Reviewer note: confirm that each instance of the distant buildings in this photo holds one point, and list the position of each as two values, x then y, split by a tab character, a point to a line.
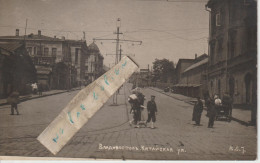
60	63
233	49
93	63
16	69
192	76
180	67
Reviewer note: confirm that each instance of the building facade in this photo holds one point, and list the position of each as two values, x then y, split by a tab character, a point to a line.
79	54
193	80
233	49
59	62
93	63
180	67
16	69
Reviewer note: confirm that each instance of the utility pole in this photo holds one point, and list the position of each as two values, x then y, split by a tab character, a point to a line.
117	49
25	30
120	53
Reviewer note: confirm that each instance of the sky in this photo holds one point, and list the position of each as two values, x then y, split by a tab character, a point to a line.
170	29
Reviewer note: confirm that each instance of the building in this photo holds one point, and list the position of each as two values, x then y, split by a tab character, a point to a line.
93	63
180	67
233	49
59	62
16	69
79	54
193	80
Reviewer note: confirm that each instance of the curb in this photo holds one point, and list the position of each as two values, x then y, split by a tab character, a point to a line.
204	108
29	97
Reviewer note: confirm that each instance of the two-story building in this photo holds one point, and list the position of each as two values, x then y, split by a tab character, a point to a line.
233	49
193	80
16	69
59	62
93	63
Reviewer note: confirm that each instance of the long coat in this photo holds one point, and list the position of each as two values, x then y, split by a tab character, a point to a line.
13	98
197	110
212	110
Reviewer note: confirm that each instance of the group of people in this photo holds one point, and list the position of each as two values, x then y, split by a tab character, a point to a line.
137	109
213	107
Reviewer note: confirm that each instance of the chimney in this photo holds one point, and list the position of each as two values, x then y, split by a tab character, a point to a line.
17	32
39	32
195	56
63	38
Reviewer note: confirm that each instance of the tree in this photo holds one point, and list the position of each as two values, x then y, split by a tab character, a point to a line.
163	69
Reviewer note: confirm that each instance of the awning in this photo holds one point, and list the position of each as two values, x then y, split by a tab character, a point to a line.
187	85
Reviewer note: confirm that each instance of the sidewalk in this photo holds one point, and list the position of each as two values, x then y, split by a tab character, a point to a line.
240	115
34	96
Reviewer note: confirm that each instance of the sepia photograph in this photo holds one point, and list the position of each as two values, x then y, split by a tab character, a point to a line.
128	80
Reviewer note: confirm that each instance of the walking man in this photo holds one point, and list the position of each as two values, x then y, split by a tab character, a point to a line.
212	114
197	111
152	111
227	104
13	99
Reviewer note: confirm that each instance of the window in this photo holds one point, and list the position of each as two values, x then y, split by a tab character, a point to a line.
232	38
29	50
76	55
54	52
220	47
35	50
46	51
212	52
218	19
86	67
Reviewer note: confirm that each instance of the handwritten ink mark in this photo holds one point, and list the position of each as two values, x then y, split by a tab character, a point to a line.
71	121
117	71
95	96
123	65
82	107
105	78
78	114
61	131
56	139
102	88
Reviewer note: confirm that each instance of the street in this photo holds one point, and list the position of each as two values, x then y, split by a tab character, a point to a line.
108	131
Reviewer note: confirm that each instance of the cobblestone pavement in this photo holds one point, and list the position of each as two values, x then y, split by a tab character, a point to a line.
108	134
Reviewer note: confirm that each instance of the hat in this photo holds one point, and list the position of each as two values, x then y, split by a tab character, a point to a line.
152	95
216	96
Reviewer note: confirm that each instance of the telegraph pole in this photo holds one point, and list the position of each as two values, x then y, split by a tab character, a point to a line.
117	49
25	31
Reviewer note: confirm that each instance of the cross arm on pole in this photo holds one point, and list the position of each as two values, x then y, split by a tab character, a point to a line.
132	41
103	39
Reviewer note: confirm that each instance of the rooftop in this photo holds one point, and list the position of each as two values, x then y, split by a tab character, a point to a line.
202	62
10	47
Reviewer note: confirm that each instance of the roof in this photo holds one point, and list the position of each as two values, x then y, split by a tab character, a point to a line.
93	47
187	85
31	37
181	60
202	62
10	47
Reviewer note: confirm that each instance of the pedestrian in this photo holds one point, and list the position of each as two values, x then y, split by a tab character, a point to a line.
211	114
13	100
40	89
141	98
135	107
152	111
197	111
227	104
207	104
